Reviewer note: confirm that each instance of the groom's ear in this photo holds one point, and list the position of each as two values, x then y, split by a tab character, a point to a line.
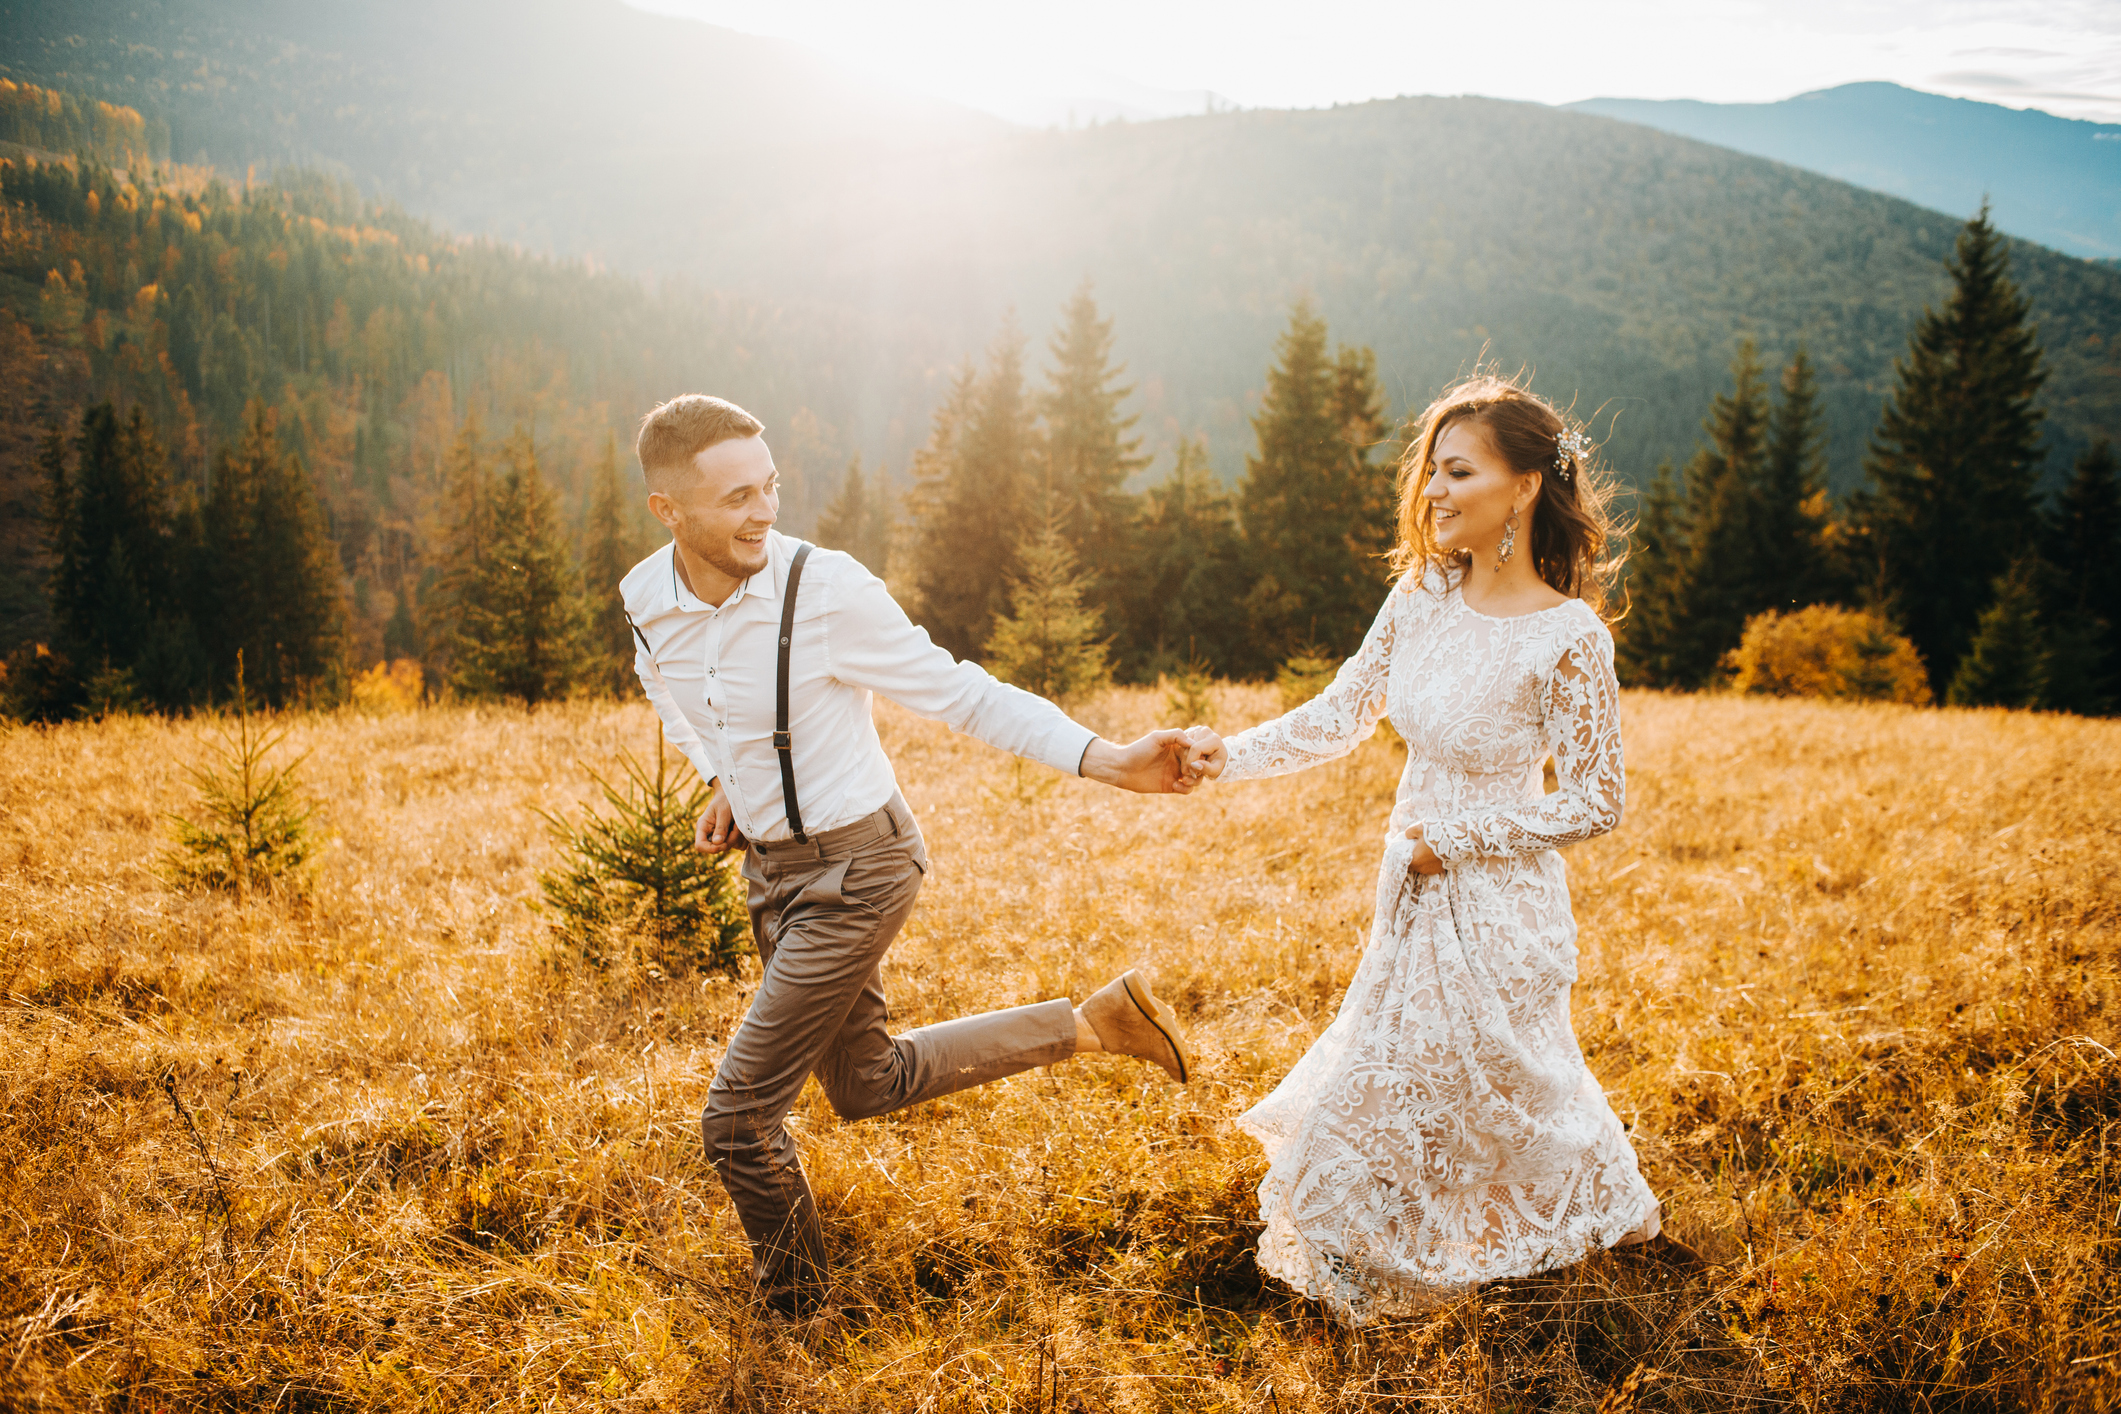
664	509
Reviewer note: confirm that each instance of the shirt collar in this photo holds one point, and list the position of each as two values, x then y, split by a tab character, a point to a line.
763	585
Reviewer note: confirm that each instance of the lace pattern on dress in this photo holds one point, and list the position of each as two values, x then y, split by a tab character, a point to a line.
1444	1130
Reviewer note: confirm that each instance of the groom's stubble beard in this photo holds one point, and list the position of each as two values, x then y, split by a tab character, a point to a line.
716	552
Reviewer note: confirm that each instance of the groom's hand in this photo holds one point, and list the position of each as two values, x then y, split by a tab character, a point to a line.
1153	765
717	828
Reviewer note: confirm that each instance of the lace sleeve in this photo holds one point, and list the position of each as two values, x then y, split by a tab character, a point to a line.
1582	704
1331	724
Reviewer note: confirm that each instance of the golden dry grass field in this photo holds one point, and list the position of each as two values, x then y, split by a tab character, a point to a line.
1849	973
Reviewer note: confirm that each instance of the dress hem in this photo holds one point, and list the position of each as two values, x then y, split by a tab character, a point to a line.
1358	1298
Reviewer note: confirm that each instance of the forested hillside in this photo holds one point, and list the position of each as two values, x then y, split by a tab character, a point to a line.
371	338
1623	264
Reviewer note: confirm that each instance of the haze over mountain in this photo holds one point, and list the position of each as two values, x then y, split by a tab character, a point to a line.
2048	179
1621	262
583	127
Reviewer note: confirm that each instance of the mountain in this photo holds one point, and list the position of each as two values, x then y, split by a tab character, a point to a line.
584	127
2052	180
1620	263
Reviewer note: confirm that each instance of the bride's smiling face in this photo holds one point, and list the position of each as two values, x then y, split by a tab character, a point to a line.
1472	490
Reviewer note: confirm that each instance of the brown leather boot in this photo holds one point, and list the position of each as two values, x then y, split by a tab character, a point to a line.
1130	1021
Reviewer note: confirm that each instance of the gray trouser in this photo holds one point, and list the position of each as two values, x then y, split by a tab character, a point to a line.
823	914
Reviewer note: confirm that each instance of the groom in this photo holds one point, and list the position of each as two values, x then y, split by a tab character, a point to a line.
760	654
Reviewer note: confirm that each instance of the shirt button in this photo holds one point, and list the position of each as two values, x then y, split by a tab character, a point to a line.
710	672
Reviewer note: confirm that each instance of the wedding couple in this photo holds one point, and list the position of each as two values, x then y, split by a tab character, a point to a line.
1443	1131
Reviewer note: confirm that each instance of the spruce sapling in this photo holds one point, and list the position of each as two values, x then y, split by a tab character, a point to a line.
254	832
632	889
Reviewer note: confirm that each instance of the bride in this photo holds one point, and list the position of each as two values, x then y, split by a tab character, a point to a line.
1444	1130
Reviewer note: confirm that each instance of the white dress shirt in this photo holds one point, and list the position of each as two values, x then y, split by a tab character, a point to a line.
712	682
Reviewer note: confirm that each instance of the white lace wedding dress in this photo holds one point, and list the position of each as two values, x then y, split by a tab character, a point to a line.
1444	1130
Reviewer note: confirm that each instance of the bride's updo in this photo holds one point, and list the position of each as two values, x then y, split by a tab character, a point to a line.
1569	521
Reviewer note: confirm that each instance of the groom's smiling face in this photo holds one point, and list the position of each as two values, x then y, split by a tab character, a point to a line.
723	516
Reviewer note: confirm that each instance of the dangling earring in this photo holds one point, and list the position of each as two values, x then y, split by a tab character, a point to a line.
1509	543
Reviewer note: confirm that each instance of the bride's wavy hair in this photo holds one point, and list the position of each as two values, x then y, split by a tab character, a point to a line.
1571	522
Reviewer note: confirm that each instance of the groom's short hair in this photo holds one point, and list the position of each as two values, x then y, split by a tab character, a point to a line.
679	430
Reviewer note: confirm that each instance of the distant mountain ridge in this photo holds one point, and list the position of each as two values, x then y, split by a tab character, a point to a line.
1621	263
2048	179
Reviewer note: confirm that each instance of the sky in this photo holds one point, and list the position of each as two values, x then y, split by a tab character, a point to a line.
1063	61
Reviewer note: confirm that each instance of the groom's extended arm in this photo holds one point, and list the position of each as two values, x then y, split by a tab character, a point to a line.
869	642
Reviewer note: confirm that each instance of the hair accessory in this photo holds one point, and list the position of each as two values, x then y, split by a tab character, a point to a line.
1570	448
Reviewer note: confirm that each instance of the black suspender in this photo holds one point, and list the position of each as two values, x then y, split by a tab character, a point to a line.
782	744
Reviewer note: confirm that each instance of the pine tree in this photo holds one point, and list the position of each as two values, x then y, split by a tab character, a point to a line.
2084	602
1745	536
2086	533
1723	576
2006	664
62	536
1311	511
606	557
466	535
520	624
113	542
1191	575
1648	647
41	683
1089	454
1359	409
1368	504
253	830
1048	641
1791	501
120	546
973	498
634	889
1956	453
945	600
858	520
269	593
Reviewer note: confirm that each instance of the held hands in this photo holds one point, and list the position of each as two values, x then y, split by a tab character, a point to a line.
1205	752
1161	763
1425	858
1166	762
